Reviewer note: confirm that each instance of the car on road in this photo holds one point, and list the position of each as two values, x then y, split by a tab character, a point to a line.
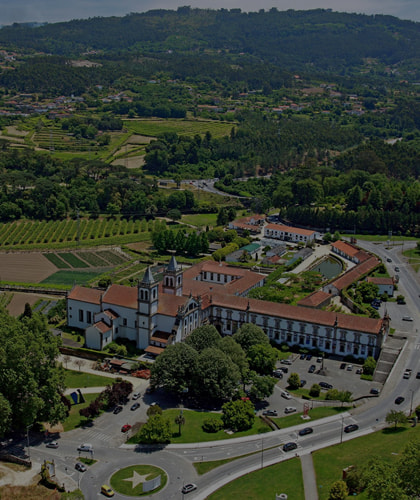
342	366
135	406
399	400
270	413
351	428
136	395
117	409
286	395
407	318
374	391
107	490
187	488
80	467
289	446
289	409
312	368
52	444
325	385
305	431
85	447
407	373
418	375
125	428
285	362
388	259
396	269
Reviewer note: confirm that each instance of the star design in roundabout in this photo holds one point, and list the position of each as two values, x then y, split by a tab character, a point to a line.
136	478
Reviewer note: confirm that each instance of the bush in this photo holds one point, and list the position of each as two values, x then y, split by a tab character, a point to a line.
315	390
212	425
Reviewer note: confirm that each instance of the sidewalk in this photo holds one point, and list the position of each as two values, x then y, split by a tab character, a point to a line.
309	477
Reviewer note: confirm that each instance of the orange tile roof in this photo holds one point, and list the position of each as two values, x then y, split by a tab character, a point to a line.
121	295
290	229
102	327
111	314
168	304
315	299
296	313
356	273
380	281
154	349
84	294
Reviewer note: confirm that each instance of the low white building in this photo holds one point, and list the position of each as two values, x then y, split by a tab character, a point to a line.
289	233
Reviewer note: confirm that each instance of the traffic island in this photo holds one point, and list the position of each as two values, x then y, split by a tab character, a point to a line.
139	480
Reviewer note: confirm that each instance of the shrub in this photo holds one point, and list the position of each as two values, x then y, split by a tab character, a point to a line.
212	425
315	391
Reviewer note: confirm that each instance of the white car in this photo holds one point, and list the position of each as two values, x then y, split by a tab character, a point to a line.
286	395
52	444
289	409
136	395
85	447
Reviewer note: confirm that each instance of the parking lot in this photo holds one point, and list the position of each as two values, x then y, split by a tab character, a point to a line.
333	372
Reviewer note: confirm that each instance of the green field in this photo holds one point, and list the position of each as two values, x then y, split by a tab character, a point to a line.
56	260
77	380
73	260
70	278
153	128
200	220
74	420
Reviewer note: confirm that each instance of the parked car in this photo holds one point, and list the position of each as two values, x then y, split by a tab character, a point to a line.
374	391
319	359
289	409
388	259
305	431
80	467
285	362
399	400
342	366
349	368
289	446
270	413
407	318
125	428
52	444
284	369
302	356
135	406
309	357
278	373
302	382
187	488
359	371
117	409
286	395
136	395
312	368
325	385
351	428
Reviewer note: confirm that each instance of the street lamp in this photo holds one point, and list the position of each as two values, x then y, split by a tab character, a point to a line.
411	404
262	453
342	427
27	439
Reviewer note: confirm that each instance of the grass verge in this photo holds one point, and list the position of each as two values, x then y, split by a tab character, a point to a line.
75	379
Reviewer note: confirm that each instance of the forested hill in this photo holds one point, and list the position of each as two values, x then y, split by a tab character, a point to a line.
295	40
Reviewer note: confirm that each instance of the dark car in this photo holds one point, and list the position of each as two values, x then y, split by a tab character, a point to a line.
374	391
80	467
289	446
399	400
270	413
418	375
302	356
187	488
278	373
284	369
305	431
351	428
342	366
118	409
325	385
309	357
302	383
312	368
135	406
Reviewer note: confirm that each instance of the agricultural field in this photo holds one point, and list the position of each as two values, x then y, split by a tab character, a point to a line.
25	267
153	128
72	234
70	278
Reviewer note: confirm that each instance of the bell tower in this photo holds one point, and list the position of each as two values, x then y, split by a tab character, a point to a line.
173	278
147	306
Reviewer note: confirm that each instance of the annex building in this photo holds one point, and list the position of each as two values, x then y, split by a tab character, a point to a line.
155	314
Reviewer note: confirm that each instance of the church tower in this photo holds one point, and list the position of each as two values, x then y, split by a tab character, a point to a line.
173	278
147	306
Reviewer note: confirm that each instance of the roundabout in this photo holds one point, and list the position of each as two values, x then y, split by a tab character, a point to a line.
139	480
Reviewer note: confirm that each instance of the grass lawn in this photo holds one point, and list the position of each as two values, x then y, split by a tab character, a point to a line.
181	127
122	483
285	477
74	420
387	444
315	414
200	219
76	380
70	277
